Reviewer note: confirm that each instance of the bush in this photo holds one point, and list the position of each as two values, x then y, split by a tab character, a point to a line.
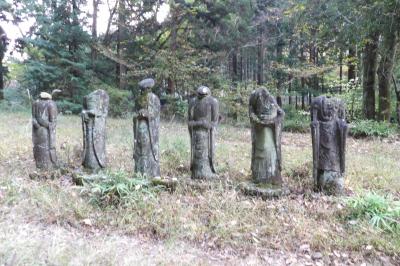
296	120
369	128
119	189
174	107
121	103
380	211
67	107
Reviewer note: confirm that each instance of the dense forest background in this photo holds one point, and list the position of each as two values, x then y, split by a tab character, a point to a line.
297	49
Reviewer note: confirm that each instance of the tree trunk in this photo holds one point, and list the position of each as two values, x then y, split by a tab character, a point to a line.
385	72
234	66
397	91
279	76
260	57
1	79
94	29
351	72
173	47
369	75
3	47
341	70
302	81
120	68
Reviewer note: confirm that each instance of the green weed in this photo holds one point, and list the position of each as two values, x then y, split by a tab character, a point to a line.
381	211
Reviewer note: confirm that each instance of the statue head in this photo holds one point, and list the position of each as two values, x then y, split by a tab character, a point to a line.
146	84
326	108
45	96
203	91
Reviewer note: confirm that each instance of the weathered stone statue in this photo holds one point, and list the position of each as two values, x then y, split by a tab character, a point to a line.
146	124
329	132
203	119
94	113
266	119
44	118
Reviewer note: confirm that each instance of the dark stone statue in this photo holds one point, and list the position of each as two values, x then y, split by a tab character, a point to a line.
266	129
203	118
329	132
94	114
44	118
146	124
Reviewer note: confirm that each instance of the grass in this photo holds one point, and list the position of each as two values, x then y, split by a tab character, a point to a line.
55	222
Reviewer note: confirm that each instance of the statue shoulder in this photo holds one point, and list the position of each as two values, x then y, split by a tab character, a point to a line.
154	98
213	101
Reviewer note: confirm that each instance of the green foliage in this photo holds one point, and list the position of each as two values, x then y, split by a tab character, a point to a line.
370	128
119	189
352	95
380	211
121	102
234	103
296	120
56	49
67	107
174	107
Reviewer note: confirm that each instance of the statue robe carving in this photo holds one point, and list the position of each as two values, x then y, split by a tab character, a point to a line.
44	119
146	123
203	115
329	133
94	114
266	129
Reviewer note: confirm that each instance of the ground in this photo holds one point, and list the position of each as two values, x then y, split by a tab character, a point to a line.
53	221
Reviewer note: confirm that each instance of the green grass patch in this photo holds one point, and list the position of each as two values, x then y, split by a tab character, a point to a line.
370	128
380	211
119	189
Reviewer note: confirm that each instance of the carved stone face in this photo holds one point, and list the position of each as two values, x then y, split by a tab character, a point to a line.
329	110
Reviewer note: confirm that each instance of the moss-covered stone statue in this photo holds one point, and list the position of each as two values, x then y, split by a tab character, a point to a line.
203	116
146	124
44	120
266	129
94	114
329	133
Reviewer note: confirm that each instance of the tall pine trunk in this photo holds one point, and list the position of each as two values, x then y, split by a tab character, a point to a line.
385	71
370	59
173	46
279	59
397	91
260	56
1	79
94	30
3	46
351	72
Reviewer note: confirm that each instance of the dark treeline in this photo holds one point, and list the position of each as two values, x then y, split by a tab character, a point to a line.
298	49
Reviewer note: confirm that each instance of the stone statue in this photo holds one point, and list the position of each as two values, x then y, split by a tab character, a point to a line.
329	132
146	124
94	113
266	119
44	118
203	119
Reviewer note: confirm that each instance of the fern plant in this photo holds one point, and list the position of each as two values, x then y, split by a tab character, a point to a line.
381	211
119	189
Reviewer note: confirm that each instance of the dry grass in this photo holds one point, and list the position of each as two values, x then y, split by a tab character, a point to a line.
51	222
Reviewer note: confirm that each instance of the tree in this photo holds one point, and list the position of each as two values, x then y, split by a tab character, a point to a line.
3	49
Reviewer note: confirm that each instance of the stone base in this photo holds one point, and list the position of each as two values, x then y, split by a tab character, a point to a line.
265	191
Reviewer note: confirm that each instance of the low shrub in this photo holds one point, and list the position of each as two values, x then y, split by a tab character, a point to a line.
67	107
370	128
296	120
381	211
119	189
174	107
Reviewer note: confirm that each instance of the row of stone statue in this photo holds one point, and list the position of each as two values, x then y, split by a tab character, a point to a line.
328	128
